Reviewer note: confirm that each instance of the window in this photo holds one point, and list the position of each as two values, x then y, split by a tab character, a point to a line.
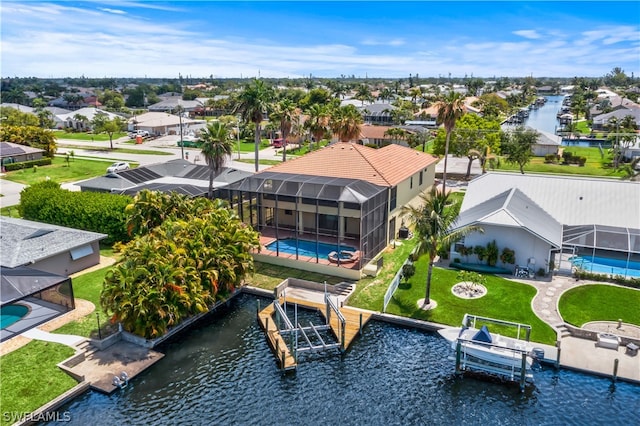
394	196
80	252
420	178
411	183
288	212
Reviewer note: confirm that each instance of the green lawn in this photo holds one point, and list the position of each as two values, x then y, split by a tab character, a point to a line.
60	171
247	145
600	302
596	165
29	377
83	136
260	161
268	276
11	211
505	300
68	148
88	287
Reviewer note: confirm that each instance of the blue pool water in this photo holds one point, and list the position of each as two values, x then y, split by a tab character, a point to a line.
305	247
605	265
11	313
222	372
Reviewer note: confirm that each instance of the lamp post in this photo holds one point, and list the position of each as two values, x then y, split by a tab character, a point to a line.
99	332
179	109
238	136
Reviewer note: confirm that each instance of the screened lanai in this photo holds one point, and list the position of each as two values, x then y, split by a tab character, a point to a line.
598	247
314	212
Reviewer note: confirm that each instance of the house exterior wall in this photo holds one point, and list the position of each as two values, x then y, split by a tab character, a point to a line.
62	264
350	274
409	196
542	150
524	244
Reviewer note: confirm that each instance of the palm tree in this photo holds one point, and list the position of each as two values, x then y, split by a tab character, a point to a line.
253	102
432	221
318	121
397	134
346	122
216	147
450	109
283	114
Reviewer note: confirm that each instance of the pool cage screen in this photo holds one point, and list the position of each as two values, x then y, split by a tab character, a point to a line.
618	245
341	211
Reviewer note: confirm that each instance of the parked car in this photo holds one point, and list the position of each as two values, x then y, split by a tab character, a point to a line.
136	133
118	167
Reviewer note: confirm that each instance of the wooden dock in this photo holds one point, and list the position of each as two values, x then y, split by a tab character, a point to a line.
355	320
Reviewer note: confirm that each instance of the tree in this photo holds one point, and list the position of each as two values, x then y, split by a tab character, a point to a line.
253	102
346	122
33	136
216	147
450	109
363	93
283	114
397	133
318	121
200	254
102	124
517	146
433	221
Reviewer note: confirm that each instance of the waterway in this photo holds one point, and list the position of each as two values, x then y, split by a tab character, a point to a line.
544	118
222	372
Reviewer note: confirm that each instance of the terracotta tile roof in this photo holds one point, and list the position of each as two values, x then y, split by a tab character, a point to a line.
374	132
386	166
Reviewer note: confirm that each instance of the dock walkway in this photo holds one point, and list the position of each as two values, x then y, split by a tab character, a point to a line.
355	320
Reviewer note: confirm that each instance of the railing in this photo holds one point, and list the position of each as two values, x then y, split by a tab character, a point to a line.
395	282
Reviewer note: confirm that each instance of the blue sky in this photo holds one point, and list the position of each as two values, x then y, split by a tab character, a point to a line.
325	39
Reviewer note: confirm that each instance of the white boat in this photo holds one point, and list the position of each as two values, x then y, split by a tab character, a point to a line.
481	350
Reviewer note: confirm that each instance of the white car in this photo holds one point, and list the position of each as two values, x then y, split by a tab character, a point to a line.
117	167
136	133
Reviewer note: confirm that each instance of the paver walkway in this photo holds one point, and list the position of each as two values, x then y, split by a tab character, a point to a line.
65	339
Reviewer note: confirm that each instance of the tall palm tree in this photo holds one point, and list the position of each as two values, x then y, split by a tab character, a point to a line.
432	221
346	122
450	109
283	114
216	147
253	102
318	121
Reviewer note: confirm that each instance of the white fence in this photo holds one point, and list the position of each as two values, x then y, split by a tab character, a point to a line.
395	282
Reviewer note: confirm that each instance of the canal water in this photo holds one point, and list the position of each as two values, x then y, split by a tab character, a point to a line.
222	372
545	117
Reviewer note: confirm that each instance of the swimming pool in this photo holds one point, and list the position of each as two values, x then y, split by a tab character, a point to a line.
10	314
306	247
605	265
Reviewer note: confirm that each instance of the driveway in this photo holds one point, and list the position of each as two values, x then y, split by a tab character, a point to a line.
10	193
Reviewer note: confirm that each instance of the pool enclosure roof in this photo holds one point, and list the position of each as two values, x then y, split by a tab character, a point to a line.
603	237
18	283
306	186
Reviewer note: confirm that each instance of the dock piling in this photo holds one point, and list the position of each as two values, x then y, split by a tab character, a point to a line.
458	350
615	369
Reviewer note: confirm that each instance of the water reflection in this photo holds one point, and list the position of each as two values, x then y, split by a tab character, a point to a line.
223	372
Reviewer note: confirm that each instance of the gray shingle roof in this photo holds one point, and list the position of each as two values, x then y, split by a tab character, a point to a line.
23	241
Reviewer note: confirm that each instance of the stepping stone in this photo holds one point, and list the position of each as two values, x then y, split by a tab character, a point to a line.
545	312
550	293
546	299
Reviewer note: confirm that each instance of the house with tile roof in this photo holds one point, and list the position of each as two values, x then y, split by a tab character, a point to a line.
345	196
547	219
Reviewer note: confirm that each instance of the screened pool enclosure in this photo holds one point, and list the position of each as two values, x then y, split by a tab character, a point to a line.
603	249
344	212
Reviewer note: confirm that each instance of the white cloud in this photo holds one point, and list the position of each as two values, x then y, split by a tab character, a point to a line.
379	42
114	11
530	34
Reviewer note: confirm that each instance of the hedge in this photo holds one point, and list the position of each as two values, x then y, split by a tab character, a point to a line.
90	211
27	164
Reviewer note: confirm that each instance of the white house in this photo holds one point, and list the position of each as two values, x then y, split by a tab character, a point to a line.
541	217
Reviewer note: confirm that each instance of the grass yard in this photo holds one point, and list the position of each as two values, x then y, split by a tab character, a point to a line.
505	300
84	136
88	287
260	161
596	165
61	172
68	148
600	302
247	145
11	211
268	276
29	377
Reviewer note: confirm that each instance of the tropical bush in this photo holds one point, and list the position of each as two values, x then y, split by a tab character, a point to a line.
508	256
91	211
491	253
33	136
198	254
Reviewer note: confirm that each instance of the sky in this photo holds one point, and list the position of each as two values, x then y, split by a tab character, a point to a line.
324	39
